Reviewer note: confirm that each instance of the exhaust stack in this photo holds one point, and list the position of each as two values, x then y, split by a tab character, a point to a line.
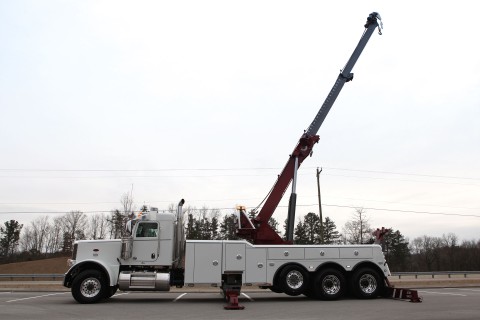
179	237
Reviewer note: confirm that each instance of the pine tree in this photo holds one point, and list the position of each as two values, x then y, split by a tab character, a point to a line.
299	234
397	252
330	233
214	228
190	229
273	223
228	227
311	225
10	235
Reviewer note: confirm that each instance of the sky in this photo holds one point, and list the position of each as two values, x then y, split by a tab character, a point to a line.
205	100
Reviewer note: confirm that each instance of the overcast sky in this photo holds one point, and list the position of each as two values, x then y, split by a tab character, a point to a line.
205	100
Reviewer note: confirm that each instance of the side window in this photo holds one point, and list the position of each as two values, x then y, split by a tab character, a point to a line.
147	230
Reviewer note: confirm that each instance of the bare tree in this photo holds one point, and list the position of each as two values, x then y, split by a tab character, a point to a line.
97	228
54	237
26	239
127	203
74	224
357	230
40	228
34	237
450	241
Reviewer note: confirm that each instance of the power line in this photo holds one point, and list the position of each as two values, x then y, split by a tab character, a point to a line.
299	205
404	173
394	210
233	169
233	175
135	170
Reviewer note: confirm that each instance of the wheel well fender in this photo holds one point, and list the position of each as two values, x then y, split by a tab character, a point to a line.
368	264
85	265
330	265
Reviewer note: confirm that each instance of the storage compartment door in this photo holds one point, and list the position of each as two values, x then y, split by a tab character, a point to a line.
256	266
234	257
208	263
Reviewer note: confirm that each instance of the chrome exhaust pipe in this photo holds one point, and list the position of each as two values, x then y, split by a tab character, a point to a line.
179	238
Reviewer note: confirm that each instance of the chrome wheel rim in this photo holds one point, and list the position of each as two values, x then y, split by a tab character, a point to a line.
90	287
368	283
294	279
331	285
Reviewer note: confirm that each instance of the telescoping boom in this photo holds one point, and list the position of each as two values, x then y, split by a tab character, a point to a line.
258	230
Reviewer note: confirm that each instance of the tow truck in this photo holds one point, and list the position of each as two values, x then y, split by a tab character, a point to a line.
156	256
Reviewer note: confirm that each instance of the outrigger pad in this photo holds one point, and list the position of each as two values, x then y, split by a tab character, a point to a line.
403	294
232	296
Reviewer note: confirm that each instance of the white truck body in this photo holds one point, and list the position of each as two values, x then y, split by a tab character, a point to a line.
156	256
207	260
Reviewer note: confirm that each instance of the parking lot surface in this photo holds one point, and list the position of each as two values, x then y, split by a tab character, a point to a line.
438	303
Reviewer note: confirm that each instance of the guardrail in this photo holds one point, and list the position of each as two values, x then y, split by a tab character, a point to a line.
435	273
32	276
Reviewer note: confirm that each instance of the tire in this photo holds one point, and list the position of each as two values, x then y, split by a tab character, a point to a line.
89	287
367	284
309	293
275	289
293	280
111	291
329	284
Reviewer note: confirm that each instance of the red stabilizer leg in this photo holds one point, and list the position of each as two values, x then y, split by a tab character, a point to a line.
232	297
403	294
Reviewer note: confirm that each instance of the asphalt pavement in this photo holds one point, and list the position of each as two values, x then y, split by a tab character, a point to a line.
438	304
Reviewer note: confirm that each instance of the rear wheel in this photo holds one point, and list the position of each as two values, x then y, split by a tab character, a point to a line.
329	284
367	284
89	287
293	280
309	292
275	289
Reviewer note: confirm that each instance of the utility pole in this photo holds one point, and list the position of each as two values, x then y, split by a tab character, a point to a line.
320	205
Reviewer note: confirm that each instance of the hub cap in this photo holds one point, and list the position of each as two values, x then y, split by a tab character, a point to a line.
368	283
294	279
90	287
331	285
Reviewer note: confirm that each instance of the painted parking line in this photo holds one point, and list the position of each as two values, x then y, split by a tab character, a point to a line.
474	290
179	297
5	292
35	297
246	296
120	294
446	293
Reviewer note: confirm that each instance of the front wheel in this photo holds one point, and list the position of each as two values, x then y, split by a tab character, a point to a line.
89	287
111	291
367	284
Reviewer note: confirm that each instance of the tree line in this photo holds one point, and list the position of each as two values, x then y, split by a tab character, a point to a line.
46	237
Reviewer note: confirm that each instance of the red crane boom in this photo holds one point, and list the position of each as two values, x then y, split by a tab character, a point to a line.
258	230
